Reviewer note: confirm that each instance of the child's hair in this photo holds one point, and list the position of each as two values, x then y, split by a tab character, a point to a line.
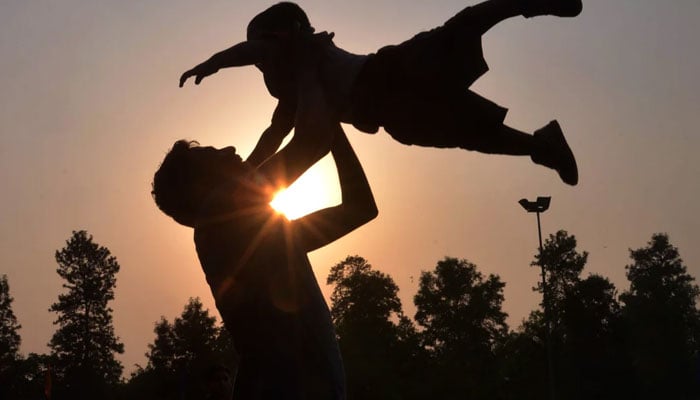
283	18
173	187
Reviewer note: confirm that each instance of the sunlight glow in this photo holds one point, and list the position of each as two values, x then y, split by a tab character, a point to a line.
314	190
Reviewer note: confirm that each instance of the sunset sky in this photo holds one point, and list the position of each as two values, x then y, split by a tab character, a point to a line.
89	105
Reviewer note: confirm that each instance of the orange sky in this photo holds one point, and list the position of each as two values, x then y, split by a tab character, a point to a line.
89	105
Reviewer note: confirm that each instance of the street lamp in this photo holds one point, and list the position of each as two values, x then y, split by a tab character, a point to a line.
539	206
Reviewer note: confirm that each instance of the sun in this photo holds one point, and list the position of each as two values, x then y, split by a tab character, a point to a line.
314	190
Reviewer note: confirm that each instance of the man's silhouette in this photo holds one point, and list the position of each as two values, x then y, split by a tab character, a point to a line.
255	260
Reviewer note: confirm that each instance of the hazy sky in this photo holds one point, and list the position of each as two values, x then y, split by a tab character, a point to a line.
89	105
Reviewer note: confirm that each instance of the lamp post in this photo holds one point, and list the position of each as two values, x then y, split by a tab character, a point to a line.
539	206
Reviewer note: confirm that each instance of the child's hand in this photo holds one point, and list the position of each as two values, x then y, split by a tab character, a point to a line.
200	72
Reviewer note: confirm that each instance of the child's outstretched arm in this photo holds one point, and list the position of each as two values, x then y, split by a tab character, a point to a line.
245	53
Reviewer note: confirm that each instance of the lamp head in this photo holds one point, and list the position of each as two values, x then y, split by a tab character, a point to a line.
540	205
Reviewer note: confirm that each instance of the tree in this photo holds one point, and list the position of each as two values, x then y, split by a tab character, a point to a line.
9	327
583	316
591	309
32	377
361	293
180	353
463	321
523	365
194	333
661	321
374	335
162	352
9	340
84	344
563	265
589	341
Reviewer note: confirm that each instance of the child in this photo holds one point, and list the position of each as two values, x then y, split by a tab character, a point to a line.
255	260
416	90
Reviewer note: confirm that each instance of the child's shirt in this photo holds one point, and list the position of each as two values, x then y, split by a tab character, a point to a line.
337	71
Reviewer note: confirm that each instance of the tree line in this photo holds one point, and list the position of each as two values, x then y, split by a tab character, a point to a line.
584	340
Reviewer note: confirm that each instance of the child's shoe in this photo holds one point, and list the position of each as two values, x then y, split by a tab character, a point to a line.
551	150
559	8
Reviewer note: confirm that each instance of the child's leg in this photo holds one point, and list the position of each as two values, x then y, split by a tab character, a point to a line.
507	141
551	150
546	147
559	8
469	121
481	17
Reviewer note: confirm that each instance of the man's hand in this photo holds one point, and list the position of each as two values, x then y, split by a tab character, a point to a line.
200	72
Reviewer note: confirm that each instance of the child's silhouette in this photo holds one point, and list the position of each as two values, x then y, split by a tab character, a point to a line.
417	90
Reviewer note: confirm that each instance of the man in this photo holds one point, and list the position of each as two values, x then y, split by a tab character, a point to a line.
255	260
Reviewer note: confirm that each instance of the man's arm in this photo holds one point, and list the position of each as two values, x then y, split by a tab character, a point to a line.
315	126
356	208
245	53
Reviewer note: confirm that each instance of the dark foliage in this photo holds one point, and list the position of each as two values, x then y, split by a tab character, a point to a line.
180	356
460	312
642	344
661	322
379	344
9	340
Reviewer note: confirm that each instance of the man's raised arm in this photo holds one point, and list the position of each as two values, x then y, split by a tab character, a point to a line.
315	126
356	209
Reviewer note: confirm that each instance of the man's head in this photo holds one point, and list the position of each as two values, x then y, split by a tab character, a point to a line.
283	19
191	182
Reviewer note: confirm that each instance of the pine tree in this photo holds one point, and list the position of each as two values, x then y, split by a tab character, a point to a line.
661	321
583	316
9	342
161	355
84	344
563	265
9	338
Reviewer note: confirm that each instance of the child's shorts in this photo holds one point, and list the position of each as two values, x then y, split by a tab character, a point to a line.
418	90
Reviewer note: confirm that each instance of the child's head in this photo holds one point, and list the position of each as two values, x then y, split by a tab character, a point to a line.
188	185
281	20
